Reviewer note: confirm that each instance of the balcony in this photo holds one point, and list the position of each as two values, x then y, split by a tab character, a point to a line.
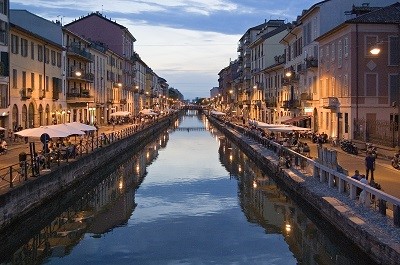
330	103
79	97
291	104
306	97
122	101
26	93
75	50
280	59
80	75
311	63
271	103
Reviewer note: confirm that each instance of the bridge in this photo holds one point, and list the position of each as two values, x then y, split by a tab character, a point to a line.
194	107
191	129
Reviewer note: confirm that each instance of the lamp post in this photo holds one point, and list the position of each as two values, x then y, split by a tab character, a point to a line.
394	120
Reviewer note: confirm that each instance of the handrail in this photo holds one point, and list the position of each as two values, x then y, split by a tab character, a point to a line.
344	183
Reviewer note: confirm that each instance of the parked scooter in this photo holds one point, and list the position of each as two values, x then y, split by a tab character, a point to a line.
349	147
370	148
396	161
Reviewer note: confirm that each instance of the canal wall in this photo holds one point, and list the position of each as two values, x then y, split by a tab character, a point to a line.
19	201
379	246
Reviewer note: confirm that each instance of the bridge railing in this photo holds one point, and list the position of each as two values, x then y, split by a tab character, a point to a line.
332	176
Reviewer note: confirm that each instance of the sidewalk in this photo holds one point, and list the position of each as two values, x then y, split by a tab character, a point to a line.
11	158
384	174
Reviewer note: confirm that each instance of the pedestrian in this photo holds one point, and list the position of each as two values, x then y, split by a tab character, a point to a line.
306	150
356	175
370	165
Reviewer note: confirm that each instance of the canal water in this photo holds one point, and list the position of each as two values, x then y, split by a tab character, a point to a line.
188	197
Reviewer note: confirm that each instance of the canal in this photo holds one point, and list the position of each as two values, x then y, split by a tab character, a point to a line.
188	197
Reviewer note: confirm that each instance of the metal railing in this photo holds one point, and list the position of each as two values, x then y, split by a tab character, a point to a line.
333	177
21	171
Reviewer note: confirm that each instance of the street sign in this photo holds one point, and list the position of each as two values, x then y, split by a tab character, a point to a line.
45	138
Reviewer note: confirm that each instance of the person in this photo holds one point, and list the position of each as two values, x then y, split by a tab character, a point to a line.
306	149
3	147
370	165
356	175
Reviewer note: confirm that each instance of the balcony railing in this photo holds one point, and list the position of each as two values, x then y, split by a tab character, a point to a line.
74	49
305	96
291	104
26	93
311	63
330	103
271	103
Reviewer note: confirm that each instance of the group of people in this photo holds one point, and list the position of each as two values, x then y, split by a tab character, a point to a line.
3	146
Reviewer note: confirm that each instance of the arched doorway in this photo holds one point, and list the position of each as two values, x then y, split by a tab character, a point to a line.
40	110
31	116
15	115
315	120
24	117
47	115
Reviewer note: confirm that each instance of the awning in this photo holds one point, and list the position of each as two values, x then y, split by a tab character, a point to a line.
296	119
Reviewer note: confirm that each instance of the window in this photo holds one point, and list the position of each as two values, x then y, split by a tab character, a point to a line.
3	32
346	85
394	88
14	43
333	52
41	83
346	122
346	47
40	53
14	78
333	86
23	79
3	7
371	84
339	54
58	59
394	52
47	83
307	33
32	50
33	80
53	57
24	47
47	55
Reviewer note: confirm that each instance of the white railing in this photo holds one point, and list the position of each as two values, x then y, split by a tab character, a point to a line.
384	203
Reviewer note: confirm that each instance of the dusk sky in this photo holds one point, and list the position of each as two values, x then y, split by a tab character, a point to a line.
187	42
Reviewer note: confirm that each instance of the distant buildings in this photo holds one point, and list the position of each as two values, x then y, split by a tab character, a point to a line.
318	72
83	71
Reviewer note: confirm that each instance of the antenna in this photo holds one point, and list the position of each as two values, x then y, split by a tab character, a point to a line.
101	9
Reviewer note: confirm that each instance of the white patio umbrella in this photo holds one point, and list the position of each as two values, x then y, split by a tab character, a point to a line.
269	125
217	113
148	112
67	128
288	129
120	114
81	126
37	132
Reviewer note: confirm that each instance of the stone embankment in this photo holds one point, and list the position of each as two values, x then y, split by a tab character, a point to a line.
368	229
22	199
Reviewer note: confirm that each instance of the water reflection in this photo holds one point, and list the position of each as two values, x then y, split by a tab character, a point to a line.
265	204
199	200
97	211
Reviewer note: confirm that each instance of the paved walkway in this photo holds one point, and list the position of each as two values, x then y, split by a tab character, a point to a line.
385	174
15	148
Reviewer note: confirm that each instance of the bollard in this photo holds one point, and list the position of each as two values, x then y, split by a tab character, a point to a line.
11	182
